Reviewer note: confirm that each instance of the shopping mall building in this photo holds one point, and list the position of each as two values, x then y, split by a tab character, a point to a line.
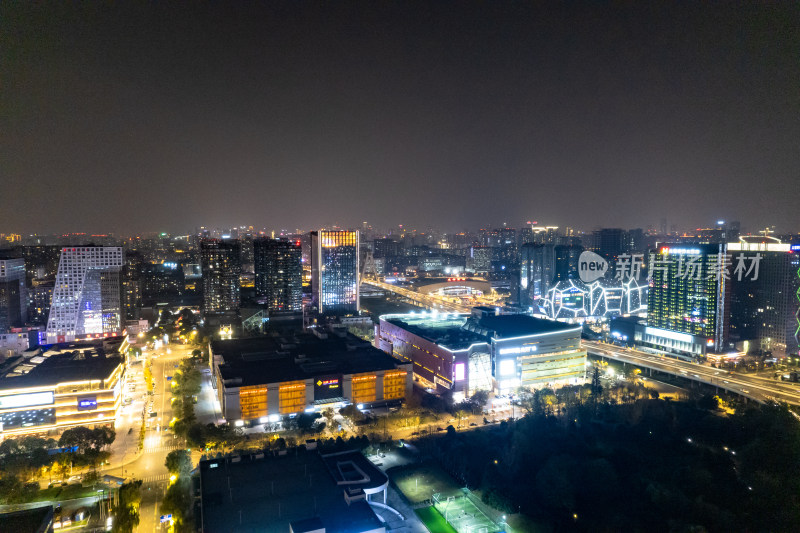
261	379
484	350
56	387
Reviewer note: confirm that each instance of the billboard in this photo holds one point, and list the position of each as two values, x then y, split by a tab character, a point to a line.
328	387
14	401
87	403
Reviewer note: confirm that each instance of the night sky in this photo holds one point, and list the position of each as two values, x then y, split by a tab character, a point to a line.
455	115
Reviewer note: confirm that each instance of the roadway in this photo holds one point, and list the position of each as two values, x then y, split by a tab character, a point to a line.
759	388
431	301
159	439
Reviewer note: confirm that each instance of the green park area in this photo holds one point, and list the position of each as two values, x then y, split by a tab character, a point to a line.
420	482
434	521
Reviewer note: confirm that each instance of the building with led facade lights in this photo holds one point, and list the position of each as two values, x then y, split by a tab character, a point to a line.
764	311
261	379
61	387
483	350
687	309
575	301
334	271
87	297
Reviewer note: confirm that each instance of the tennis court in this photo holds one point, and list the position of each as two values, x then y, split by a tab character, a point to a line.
464	516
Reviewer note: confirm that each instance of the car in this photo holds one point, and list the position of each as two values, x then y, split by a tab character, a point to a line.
472	424
206	371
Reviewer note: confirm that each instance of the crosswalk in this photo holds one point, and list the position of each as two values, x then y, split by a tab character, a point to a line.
155	479
158	447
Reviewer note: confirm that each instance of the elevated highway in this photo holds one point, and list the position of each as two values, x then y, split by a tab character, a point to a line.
758	388
428	301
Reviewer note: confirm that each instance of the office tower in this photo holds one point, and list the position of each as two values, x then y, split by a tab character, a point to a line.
635	242
13	295
610	243
764	310
87	298
132	284
566	262
506	250
39	297
41	261
537	271
246	241
688	298
334	271
480	259
161	282
279	273
220	261
385	248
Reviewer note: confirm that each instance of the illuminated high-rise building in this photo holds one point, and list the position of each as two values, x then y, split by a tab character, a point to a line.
334	271
13	295
688	298
220	260
764	310
279	273
87	297
566	262
537	271
480	259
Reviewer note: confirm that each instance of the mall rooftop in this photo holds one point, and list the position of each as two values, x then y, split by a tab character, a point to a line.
457	331
260	360
61	363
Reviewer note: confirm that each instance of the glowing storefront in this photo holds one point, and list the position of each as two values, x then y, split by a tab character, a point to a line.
261	379
61	388
483	350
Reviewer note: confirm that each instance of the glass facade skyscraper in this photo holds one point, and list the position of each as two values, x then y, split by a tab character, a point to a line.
334	271
279	273
537	271
87	297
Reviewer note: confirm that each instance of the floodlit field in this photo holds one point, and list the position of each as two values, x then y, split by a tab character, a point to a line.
419	483
434	521
465	517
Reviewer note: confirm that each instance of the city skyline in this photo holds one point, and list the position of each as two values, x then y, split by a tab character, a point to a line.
171	116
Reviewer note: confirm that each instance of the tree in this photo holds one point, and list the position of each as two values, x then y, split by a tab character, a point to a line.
709	402
79	436
353	413
177	502
179	462
461	414
126	512
305	421
328	414
479	400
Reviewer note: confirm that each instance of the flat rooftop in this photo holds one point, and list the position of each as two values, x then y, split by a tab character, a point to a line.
267	494
60	364
459	331
508	326
442	329
261	360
